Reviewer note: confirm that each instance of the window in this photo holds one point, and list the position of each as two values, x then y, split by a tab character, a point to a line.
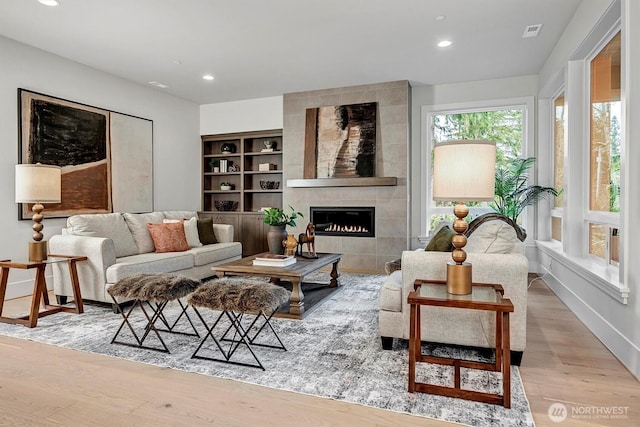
503	125
559	122
605	141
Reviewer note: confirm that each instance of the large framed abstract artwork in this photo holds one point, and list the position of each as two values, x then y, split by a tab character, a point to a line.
106	157
340	141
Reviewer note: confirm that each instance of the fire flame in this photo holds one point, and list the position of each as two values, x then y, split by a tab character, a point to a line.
335	228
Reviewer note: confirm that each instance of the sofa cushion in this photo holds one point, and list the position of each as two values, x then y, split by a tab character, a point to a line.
137	223
208	254
492	237
205	231
167	262
169	237
179	214
190	230
441	242
110	226
391	292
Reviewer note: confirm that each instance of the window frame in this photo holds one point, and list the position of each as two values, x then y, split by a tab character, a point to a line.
558	211
427	205
609	220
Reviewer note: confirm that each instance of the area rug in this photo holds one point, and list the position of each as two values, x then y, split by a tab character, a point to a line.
334	352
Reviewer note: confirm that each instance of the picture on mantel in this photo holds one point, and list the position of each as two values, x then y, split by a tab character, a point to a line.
345	141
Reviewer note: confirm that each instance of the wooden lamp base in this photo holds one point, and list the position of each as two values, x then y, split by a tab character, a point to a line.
38	251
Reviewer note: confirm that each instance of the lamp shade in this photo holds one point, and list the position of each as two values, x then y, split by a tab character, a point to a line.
464	171
36	183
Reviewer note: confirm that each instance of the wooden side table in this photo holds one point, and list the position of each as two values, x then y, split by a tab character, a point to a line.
483	297
40	288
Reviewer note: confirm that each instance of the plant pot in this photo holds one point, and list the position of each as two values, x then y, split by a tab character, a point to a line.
225	187
275	236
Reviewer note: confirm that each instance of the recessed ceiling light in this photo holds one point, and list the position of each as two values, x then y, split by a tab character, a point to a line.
158	84
444	43
50	2
440	18
208	77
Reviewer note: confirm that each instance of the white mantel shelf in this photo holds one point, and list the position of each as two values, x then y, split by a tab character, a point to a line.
343	182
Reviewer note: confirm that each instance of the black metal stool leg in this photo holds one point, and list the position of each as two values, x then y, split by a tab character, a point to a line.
239	332
267	322
171	327
147	328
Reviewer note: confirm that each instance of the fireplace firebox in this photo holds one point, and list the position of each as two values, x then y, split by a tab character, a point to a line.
344	221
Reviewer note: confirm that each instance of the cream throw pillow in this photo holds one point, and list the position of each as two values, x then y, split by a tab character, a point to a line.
190	230
137	224
492	237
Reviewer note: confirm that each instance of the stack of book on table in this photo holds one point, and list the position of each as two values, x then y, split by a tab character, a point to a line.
273	260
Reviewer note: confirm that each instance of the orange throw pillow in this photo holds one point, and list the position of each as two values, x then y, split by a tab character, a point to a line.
168	237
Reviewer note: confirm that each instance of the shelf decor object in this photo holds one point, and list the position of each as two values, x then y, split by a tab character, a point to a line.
37	183
228	148
463	171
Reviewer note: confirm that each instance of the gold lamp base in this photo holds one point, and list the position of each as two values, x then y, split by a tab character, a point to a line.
38	251
459	278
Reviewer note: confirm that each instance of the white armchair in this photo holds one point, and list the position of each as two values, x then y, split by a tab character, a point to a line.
472	328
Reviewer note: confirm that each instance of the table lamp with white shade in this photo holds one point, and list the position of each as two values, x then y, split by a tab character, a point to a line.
37	183
463	171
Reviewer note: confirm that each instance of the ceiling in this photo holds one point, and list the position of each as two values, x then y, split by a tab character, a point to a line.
260	48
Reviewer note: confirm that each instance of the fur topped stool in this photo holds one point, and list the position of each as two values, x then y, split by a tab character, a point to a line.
156	291
236	297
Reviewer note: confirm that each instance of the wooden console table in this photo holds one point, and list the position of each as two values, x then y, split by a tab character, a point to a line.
40	288
483	297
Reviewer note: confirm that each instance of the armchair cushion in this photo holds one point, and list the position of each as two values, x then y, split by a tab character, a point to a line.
391	292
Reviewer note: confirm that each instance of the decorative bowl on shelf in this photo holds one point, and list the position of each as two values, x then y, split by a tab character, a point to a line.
269	185
228	148
225	205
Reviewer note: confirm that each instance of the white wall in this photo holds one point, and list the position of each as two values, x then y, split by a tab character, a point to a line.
613	322
176	142
241	116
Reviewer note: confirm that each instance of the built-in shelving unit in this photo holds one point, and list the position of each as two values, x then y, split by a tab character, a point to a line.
247	152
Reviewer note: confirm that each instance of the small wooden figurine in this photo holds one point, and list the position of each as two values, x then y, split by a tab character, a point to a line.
307	237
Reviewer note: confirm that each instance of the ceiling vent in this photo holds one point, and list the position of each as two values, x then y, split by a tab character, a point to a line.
531	31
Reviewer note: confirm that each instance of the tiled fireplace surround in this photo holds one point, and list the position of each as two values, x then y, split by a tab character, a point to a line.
363	254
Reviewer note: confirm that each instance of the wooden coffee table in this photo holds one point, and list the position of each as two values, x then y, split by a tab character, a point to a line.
294	273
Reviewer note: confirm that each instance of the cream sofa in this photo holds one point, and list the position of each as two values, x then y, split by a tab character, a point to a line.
119	245
497	256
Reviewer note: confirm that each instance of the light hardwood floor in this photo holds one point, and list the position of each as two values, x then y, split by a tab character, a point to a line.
42	385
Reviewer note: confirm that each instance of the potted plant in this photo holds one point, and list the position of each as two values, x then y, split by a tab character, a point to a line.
512	194
215	165
225	186
278	220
